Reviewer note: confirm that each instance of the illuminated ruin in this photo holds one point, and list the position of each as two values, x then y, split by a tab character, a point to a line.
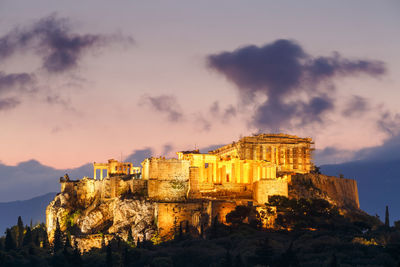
194	188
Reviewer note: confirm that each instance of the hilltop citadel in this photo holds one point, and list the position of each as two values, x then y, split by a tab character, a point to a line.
192	189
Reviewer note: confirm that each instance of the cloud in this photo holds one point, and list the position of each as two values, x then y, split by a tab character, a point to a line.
59	48
166	104
356	105
138	155
298	87
53	40
387	152
18	81
389	123
8	103
12	86
330	155
225	114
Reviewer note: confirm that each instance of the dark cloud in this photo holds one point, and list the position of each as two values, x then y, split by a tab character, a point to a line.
52	39
387	152
12	87
18	81
389	123
166	104
206	149
8	103
332	155
167	149
356	105
138	155
225	114
295	84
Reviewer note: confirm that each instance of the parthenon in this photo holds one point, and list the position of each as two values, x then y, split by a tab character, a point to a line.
194	184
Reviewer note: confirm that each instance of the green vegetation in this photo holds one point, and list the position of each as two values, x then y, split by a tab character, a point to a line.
318	235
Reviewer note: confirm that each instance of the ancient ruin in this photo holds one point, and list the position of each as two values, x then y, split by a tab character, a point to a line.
192	189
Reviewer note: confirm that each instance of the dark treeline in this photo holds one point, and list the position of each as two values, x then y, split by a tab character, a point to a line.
318	235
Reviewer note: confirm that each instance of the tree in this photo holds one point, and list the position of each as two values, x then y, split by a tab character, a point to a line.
387	223
20	233
288	258
103	242
125	257
333	262
130	239
316	170
68	241
58	238
45	240
9	243
28	237
109	259
76	256
263	253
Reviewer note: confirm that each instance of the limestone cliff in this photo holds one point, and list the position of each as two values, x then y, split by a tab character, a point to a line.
112	217
338	191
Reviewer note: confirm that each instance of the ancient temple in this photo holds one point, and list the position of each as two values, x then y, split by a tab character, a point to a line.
290	153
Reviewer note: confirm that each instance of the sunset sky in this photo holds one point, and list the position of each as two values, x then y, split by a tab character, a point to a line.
84	81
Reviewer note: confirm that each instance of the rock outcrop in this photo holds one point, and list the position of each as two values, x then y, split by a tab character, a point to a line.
340	192
112	217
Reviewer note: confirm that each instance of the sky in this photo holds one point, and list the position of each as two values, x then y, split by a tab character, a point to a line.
85	81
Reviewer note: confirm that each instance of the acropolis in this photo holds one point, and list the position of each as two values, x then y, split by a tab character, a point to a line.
192	188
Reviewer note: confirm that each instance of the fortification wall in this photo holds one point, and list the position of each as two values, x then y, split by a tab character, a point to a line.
168	169
138	186
170	215
339	191
168	179
194	183
168	190
264	188
221	208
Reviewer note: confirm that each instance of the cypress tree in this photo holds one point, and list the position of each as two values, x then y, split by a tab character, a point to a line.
130	237
109	259
387	223
45	240
333	262
9	243
58	238
228	259
76	256
28	237
20	230
103	242
68	241
36	240
125	257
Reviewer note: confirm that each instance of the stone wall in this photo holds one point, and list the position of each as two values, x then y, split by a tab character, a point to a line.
166	169
264	188
139	187
170	215
91	241
168	190
339	191
168	179
194	174
221	208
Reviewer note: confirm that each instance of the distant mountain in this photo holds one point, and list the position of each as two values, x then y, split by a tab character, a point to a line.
32	209
31	178
378	184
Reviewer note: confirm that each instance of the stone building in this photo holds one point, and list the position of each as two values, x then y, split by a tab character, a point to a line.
113	167
194	188
289	153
